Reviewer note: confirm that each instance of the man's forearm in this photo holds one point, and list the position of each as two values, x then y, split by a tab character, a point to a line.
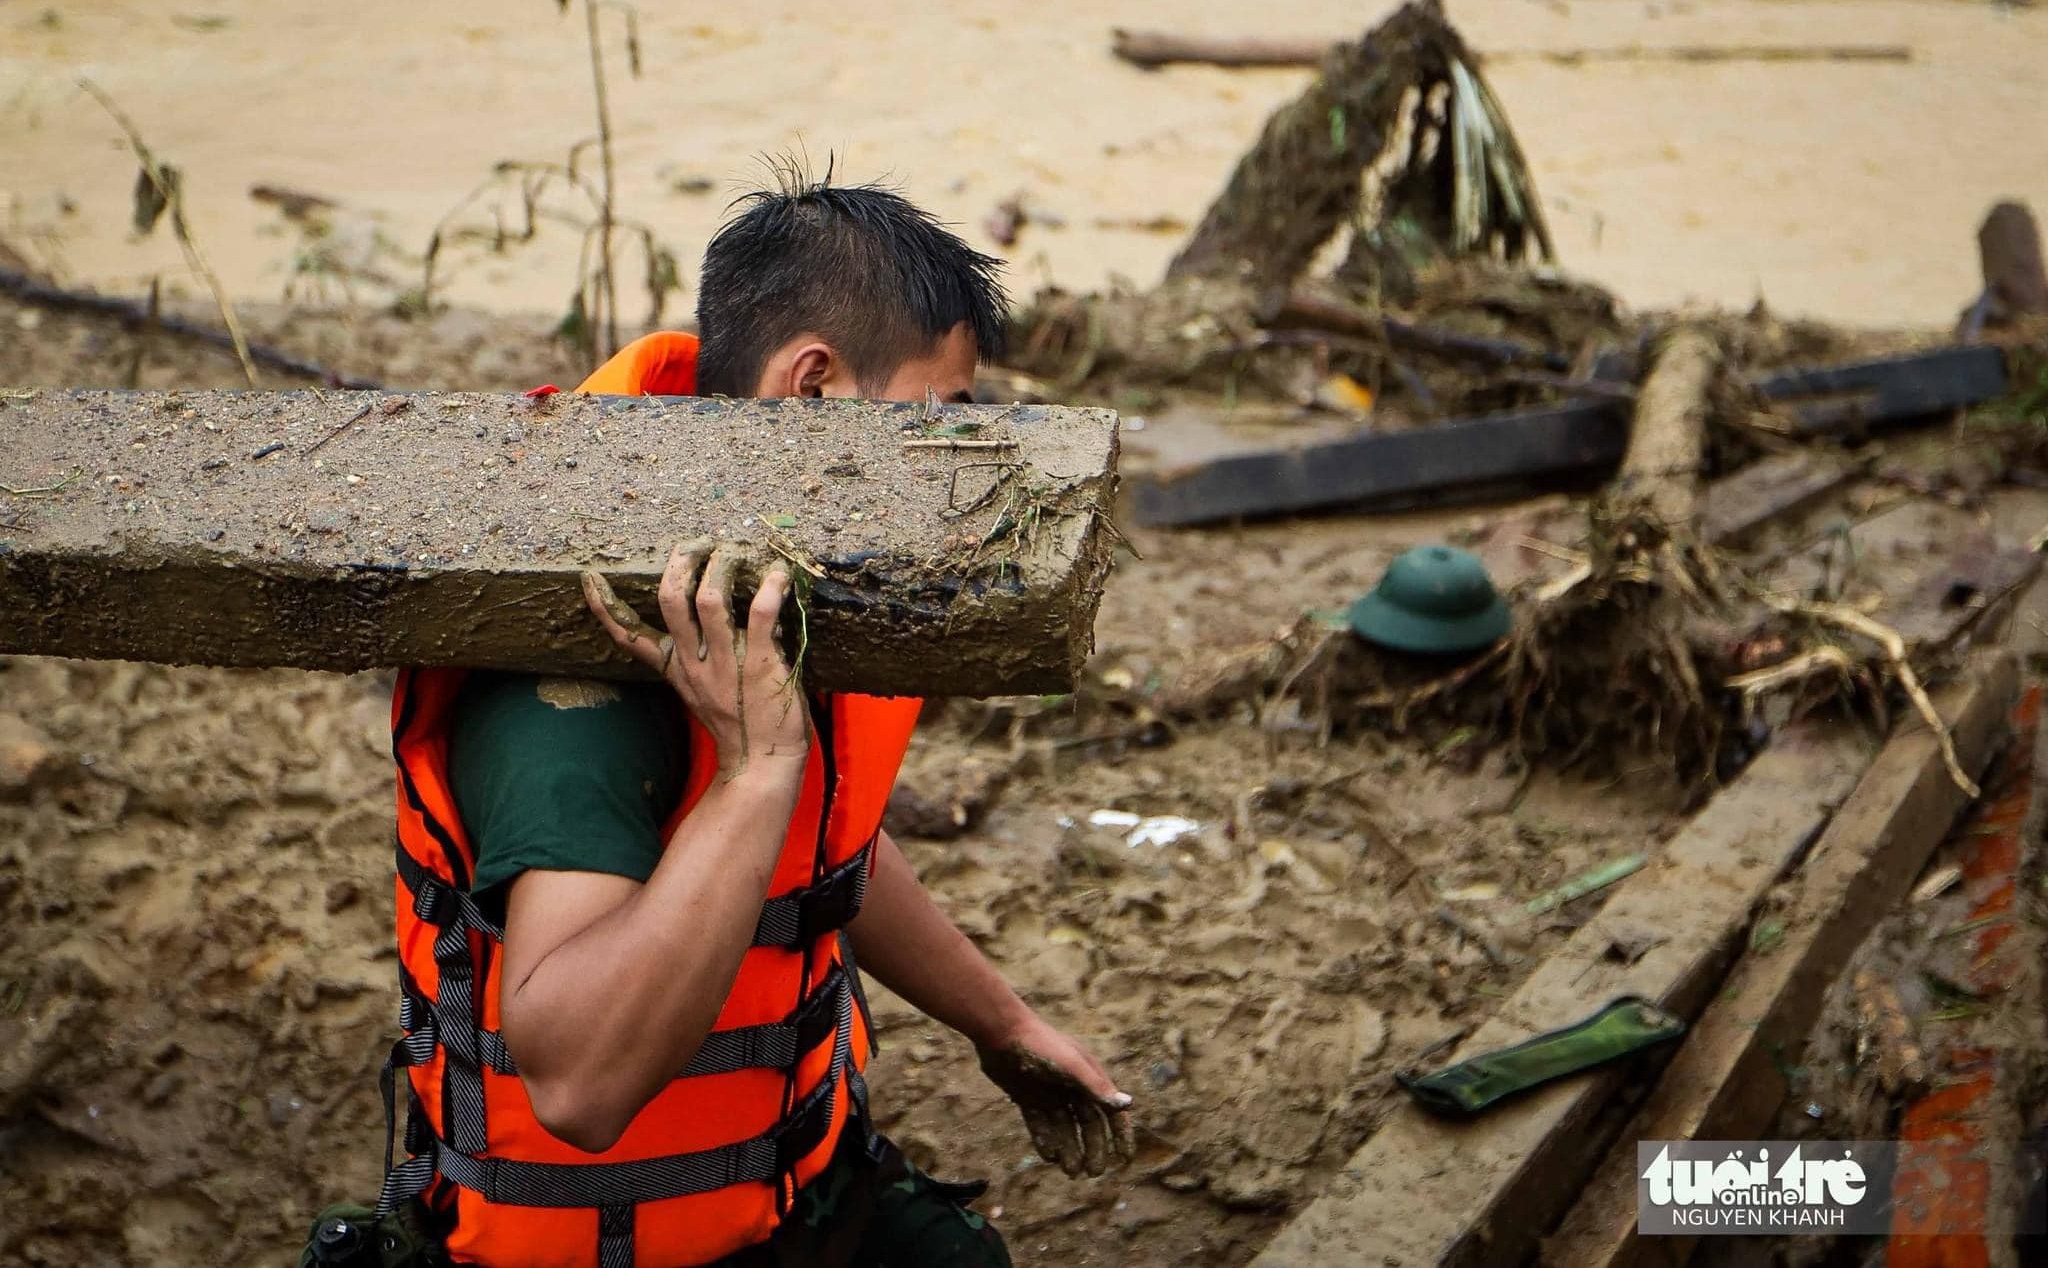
614	1012
909	945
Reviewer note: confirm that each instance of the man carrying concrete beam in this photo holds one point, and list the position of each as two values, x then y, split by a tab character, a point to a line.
627	912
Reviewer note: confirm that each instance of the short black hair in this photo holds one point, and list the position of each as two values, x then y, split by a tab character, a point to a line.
864	268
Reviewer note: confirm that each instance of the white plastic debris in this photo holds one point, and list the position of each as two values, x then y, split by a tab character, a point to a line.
1162	830
1159	830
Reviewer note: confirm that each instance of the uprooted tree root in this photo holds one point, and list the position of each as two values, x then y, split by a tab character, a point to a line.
1652	654
1614	669
1610	668
1398	143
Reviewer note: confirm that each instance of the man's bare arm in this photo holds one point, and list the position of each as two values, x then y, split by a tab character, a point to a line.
908	944
610	985
1076	1116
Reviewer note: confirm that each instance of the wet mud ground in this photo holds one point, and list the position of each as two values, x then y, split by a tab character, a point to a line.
195	944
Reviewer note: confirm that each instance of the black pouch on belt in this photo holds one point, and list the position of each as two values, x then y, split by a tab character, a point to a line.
348	1236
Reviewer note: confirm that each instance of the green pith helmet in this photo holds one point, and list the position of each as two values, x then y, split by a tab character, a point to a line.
1432	599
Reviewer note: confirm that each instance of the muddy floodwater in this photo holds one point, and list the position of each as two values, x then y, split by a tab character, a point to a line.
1842	189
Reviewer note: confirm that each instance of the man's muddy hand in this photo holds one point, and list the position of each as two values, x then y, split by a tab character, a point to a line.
1077	1118
733	679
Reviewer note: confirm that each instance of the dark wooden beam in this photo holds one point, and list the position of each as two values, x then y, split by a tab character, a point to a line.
1584	439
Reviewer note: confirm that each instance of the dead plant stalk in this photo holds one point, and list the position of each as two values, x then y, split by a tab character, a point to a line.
607	282
170	196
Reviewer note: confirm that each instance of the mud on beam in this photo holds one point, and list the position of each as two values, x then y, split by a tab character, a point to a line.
949	550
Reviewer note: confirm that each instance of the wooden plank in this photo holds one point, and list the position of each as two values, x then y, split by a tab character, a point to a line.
1726	1081
1839	399
1534	444
1583	438
1424	1191
348	530
1735	507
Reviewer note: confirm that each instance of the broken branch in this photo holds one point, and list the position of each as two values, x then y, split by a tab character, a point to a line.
1153	49
1311	312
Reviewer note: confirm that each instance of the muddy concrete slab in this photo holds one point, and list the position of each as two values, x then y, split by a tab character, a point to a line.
947	550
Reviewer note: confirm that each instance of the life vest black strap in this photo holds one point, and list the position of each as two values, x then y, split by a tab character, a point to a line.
439	903
860	995
775	1045
800	917
789	921
763	1158
615	1236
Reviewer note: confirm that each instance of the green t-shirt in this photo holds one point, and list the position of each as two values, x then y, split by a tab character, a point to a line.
563	774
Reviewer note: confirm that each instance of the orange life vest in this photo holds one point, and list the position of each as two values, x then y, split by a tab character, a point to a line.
711	1164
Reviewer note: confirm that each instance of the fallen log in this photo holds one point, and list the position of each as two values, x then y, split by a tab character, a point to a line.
1475	456
142	317
1729	1077
344	531
1153	49
1668	438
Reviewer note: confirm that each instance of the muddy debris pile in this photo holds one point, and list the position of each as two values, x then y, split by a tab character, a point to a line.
1260	863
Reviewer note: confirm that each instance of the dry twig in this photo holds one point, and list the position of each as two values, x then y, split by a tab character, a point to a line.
169	196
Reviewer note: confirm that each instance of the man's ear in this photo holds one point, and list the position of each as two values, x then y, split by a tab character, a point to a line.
812	370
807	366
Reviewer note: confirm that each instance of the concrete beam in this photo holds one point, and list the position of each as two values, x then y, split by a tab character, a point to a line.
953	550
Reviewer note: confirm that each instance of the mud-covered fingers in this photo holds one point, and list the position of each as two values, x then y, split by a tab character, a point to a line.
1092	1123
620	621
764	614
1041	1135
1057	1137
1043	1138
714	600
1073	1142
1123	1131
678	586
